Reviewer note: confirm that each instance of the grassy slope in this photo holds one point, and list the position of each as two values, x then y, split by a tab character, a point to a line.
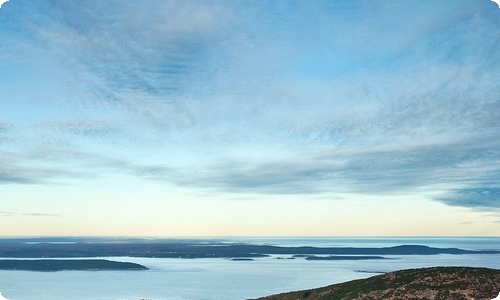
425	283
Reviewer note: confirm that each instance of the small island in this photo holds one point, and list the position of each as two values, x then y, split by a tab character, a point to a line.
52	265
344	257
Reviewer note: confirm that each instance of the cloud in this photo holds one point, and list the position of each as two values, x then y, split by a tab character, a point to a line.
366	171
5	127
52	165
2	2
11	214
478	198
314	97
119	48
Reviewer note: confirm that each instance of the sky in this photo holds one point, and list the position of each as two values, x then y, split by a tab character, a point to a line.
250	118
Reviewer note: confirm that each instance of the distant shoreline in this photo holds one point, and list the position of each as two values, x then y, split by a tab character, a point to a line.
161	248
53	265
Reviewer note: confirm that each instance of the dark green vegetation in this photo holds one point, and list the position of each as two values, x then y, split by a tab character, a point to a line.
171	248
438	283
69	264
344	257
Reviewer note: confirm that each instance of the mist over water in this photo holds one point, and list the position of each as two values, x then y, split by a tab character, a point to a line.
218	278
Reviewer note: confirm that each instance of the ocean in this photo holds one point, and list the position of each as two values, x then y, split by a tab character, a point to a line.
224	279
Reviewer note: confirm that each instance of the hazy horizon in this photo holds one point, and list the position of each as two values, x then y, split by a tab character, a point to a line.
263	118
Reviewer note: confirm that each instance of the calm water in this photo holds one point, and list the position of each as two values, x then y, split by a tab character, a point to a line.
226	279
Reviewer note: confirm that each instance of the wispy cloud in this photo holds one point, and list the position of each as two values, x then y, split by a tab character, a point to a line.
479	198
11	214
312	97
119	48
371	171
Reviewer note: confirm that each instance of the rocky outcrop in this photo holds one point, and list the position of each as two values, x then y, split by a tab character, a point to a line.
438	283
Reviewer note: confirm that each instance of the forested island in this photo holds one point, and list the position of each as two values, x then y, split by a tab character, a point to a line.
344	257
51	265
171	248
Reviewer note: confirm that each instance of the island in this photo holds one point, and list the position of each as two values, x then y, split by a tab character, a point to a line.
345	257
52	265
189	249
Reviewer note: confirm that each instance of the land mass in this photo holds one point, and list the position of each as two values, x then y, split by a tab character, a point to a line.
23	248
438	283
344	257
47	265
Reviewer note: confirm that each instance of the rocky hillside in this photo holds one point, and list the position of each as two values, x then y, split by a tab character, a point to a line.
427	283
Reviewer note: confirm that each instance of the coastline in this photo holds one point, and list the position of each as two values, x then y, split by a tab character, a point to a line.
225	279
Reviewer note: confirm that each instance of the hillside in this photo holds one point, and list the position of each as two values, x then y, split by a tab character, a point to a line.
426	283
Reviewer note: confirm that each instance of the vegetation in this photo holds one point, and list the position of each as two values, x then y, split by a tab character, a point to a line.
67	264
438	283
192	249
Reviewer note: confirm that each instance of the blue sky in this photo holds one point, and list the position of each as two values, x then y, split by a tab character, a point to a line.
209	118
